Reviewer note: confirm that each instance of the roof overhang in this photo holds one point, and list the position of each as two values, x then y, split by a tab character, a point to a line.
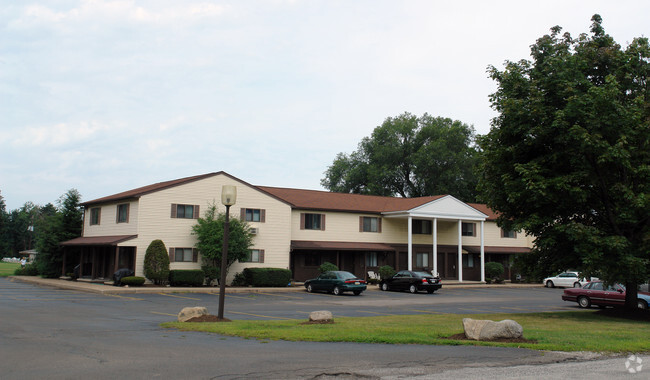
445	208
340	246
98	240
490	249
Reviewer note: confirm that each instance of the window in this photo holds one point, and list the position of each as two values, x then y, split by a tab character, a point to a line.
371	259
95	214
421	260
253	215
255	256
123	213
468	260
183	255
312	222
421	227
508	234
369	224
468	229
185	211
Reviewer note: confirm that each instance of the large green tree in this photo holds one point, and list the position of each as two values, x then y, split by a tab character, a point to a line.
568	156
409	156
209	231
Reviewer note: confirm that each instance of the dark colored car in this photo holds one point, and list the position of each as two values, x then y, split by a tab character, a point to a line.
411	281
596	293
336	282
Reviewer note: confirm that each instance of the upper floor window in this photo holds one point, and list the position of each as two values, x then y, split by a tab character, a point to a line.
312	221
253	215
183	255
508	234
123	213
255	256
95	215
369	224
421	227
185	211
468	229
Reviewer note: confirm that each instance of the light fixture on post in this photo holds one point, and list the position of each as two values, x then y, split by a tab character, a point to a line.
228	198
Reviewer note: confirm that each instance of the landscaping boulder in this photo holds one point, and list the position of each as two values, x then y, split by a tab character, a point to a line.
190	312
478	329
320	316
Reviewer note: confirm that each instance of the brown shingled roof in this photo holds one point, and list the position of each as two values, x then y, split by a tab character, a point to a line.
492	215
325	200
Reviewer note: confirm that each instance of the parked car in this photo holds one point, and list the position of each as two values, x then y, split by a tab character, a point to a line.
336	282
596	293
565	280
411	281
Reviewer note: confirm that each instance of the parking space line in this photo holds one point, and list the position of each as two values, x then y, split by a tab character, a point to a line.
155	312
280	295
258	315
175	296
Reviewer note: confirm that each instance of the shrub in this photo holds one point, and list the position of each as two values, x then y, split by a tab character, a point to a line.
271	277
186	277
326	267
386	271
28	270
156	263
132	281
493	271
211	273
239	280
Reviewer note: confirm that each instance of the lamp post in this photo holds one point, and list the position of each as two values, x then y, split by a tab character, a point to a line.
228	198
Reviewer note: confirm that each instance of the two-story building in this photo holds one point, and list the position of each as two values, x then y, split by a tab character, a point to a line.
295	229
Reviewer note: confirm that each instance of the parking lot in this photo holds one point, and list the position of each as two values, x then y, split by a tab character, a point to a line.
291	304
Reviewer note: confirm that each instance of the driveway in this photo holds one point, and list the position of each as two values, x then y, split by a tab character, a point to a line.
58	334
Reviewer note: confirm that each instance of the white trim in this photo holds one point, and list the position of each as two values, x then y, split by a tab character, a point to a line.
482	251
460	250
435	246
410	240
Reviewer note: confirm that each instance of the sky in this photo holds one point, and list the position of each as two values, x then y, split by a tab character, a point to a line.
108	96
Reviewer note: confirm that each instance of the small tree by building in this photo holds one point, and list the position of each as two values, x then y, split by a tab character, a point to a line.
493	271
327	267
156	262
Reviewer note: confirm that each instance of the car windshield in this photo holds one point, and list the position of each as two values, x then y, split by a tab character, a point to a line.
346	275
423	274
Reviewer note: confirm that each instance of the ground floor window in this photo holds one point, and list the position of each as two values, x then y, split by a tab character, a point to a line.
255	256
421	260
371	259
183	254
468	260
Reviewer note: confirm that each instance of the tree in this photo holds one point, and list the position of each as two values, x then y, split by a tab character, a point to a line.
568	157
209	232
4	229
409	156
156	262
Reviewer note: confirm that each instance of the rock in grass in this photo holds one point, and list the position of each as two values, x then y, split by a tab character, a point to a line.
478	329
320	316
191	312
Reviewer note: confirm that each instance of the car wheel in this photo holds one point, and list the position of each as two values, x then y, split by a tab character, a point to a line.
357	292
337	291
384	286
549	284
309	288
641	304
413	289
576	285
584	302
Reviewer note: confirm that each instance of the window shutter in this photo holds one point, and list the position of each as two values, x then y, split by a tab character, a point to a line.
515	234
242	214
128	209
262	215
174	208
378	224
503	233
322	222
195	255
261	255
172	257
196	211
302	220
361	224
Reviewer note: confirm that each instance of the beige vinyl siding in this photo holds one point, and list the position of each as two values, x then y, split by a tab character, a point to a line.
107	225
156	223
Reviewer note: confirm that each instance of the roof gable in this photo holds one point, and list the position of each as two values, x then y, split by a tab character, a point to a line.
448	207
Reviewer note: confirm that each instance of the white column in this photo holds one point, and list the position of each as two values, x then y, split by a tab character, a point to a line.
482	252
460	250
435	246
410	250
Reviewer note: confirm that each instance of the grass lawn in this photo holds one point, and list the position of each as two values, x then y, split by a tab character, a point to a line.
7	269
557	331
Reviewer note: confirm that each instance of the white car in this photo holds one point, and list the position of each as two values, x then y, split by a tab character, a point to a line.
565	280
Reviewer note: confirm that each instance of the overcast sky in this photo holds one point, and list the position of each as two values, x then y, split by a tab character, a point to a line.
107	96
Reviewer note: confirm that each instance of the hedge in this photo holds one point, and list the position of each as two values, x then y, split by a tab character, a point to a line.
132	281
186	277
269	277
